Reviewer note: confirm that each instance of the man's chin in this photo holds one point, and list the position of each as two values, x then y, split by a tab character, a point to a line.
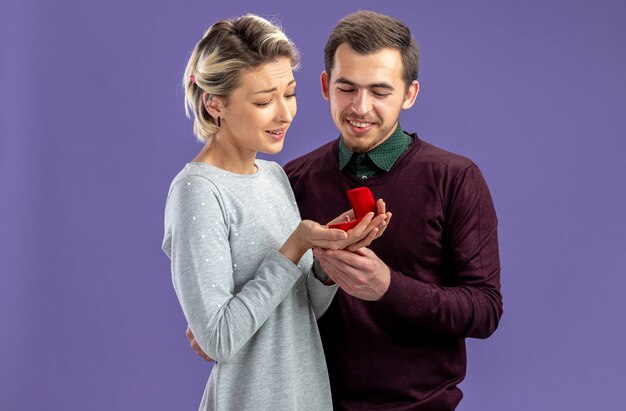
361	149
358	145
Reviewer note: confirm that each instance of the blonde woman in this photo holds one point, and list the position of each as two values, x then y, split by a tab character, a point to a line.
239	251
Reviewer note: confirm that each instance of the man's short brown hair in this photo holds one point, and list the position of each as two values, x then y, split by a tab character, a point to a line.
367	32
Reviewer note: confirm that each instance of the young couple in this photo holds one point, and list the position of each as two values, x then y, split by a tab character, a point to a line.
394	310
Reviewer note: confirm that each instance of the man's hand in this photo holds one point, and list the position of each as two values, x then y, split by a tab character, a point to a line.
361	273
195	346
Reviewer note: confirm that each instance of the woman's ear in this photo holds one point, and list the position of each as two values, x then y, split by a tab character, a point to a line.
213	105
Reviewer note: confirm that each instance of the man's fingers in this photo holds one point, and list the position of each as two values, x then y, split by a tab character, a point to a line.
384	226
198	350
381	206
334	269
346	263
195	346
346	257
365	252
341	283
379	220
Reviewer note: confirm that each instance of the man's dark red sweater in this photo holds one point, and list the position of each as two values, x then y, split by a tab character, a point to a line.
407	350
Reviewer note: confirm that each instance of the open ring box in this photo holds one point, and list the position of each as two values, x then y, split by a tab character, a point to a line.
362	202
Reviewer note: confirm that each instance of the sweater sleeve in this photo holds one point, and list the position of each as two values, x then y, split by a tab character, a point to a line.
196	240
320	295
470	303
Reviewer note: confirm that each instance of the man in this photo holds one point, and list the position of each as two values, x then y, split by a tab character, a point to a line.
394	336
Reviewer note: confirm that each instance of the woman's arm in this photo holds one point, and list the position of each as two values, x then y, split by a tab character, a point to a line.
197	243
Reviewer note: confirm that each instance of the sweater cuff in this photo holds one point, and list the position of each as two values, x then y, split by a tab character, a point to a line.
405	295
320	274
278	259
317	285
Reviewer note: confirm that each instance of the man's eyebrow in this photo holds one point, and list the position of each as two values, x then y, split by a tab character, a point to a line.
271	90
344	80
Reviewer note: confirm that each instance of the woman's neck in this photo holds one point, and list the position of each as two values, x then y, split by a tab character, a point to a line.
227	157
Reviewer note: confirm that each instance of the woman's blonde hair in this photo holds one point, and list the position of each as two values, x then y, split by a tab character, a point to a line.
227	49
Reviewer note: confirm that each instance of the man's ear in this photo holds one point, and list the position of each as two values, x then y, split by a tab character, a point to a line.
411	95
213	105
324	78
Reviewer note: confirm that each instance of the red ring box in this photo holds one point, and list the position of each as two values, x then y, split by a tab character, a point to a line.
362	202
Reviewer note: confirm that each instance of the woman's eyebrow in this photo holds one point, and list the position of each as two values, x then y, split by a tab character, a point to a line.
271	90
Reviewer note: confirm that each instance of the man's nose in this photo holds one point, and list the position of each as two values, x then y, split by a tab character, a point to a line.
362	103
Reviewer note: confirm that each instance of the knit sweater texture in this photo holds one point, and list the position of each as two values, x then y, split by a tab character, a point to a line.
407	350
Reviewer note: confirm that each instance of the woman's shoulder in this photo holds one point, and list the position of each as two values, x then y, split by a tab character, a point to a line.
274	174
266	164
270	167
194	179
193	172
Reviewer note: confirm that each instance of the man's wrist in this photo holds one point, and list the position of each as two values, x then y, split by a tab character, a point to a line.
320	274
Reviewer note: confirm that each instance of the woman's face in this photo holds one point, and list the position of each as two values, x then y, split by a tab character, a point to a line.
260	110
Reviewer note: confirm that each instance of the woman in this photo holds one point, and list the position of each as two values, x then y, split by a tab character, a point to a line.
240	261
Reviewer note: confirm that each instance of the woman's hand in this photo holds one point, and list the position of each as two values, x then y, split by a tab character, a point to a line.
379	222
310	234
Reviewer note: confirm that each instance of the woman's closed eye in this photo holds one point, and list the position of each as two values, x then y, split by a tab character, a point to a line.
268	102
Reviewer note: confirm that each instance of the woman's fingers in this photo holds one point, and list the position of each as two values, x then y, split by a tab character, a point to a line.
364	242
367	230
362	228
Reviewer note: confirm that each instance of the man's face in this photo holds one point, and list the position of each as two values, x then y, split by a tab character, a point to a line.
366	94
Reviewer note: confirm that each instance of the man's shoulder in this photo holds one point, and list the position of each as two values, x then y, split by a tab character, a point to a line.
316	159
439	158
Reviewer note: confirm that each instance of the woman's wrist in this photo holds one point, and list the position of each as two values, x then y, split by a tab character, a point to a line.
294	248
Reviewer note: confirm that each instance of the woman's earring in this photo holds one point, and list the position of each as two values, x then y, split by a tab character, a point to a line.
219	122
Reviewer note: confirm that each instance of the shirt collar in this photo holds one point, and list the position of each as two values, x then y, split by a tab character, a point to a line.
384	155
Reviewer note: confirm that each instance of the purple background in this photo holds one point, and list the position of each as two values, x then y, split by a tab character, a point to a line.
92	130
